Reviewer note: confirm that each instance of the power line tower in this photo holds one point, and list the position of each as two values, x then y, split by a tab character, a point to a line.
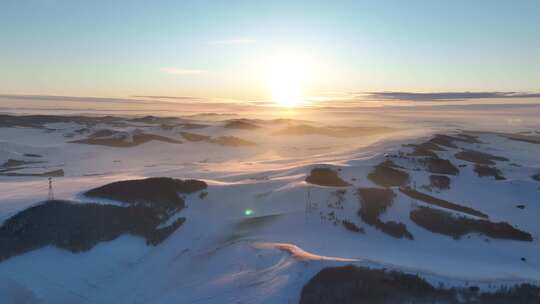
308	204
311	206
50	197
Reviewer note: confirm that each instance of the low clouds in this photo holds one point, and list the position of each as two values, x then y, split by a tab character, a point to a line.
138	99
63	98
144	100
446	96
178	71
175	98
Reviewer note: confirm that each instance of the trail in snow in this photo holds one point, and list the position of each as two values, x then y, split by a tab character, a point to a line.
300	254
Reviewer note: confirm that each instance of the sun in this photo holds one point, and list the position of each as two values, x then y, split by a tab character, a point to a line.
287	75
286	91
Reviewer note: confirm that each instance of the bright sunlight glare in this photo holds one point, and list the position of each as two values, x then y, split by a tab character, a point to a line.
287	75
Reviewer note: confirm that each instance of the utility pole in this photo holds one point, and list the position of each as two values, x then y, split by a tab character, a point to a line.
308	204
51	194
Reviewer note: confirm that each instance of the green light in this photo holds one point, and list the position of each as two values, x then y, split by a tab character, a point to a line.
248	212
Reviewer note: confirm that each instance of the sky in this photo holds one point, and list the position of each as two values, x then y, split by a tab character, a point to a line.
251	50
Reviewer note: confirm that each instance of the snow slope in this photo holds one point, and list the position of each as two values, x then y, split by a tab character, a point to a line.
222	255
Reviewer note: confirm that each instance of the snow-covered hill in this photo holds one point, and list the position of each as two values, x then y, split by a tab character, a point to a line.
260	231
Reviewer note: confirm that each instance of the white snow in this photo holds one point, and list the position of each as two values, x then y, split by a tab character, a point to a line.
219	255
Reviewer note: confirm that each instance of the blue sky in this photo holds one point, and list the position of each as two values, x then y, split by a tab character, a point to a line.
215	48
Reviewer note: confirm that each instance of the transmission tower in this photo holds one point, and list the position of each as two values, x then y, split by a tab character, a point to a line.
50	197
309	204
306	206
